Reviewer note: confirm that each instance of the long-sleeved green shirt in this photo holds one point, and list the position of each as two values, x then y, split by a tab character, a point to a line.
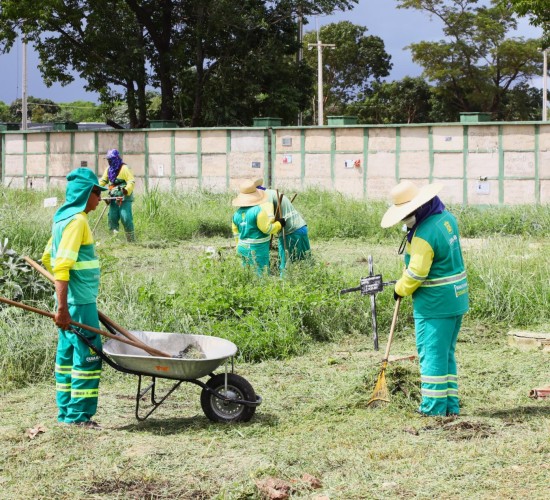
435	275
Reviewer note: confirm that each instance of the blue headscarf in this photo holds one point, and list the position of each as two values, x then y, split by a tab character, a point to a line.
115	164
79	186
432	207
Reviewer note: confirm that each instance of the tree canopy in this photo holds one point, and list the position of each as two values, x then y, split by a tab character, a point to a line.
476	65
352	66
538	13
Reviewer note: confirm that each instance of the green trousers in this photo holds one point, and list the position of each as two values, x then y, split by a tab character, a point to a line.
436	342
255	255
78	368
297	246
122	212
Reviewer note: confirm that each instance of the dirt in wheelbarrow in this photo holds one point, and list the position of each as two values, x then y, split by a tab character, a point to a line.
192	351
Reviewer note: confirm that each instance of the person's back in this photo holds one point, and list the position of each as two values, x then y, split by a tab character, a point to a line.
293	241
252	224
293	218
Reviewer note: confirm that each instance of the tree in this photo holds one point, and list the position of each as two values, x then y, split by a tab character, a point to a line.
82	111
38	110
476	65
405	101
113	44
352	66
244	67
71	35
5	113
538	12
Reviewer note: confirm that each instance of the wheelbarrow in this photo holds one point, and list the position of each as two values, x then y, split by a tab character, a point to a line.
225	397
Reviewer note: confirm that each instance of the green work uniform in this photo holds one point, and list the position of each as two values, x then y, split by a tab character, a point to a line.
253	227
294	235
121	210
436	278
77	367
70	255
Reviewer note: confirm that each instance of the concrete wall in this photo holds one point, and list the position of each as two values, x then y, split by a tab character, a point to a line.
486	163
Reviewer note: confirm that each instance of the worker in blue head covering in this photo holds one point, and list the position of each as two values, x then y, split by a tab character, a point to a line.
70	256
121	187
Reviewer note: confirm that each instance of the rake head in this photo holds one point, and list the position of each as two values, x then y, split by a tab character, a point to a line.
381	394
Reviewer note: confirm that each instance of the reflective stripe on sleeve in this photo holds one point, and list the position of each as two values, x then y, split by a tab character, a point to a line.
415	277
66	253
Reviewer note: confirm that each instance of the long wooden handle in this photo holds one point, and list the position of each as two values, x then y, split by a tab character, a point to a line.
151	350
100	217
103	317
74	323
392	329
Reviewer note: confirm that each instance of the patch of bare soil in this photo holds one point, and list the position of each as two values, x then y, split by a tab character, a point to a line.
138	489
272	488
459	430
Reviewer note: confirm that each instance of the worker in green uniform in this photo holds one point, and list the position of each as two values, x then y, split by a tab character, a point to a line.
253	224
436	278
121	187
293	241
70	256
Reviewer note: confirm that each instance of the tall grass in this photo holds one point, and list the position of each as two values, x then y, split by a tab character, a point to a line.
166	216
167	282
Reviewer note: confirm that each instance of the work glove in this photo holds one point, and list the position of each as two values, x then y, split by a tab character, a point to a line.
396	295
281	221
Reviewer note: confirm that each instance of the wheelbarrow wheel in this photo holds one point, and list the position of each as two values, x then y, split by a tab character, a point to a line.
219	410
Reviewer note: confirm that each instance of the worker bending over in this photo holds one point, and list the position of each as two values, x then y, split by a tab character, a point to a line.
253	224
293	241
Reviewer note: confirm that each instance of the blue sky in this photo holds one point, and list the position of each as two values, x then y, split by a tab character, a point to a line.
397	28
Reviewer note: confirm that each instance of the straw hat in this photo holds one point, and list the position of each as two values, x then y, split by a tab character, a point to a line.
407	197
249	196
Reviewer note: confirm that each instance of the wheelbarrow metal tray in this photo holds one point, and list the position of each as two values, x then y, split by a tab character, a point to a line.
215	349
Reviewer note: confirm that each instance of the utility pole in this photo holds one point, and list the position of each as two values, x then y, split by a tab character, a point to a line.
545	85
300	50
320	46
24	94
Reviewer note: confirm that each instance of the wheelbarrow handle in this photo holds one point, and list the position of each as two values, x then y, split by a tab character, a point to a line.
103	317
73	323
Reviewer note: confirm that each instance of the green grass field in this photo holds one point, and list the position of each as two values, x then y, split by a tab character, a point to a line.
305	349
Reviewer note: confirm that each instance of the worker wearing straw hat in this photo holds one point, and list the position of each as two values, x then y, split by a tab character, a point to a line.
252	225
293	240
436	279
70	256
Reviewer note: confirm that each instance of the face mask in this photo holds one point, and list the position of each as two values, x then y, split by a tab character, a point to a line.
410	221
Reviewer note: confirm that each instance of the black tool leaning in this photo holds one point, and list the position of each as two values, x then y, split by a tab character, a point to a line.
371	285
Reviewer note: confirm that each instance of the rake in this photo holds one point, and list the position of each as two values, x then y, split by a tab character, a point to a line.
381	394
